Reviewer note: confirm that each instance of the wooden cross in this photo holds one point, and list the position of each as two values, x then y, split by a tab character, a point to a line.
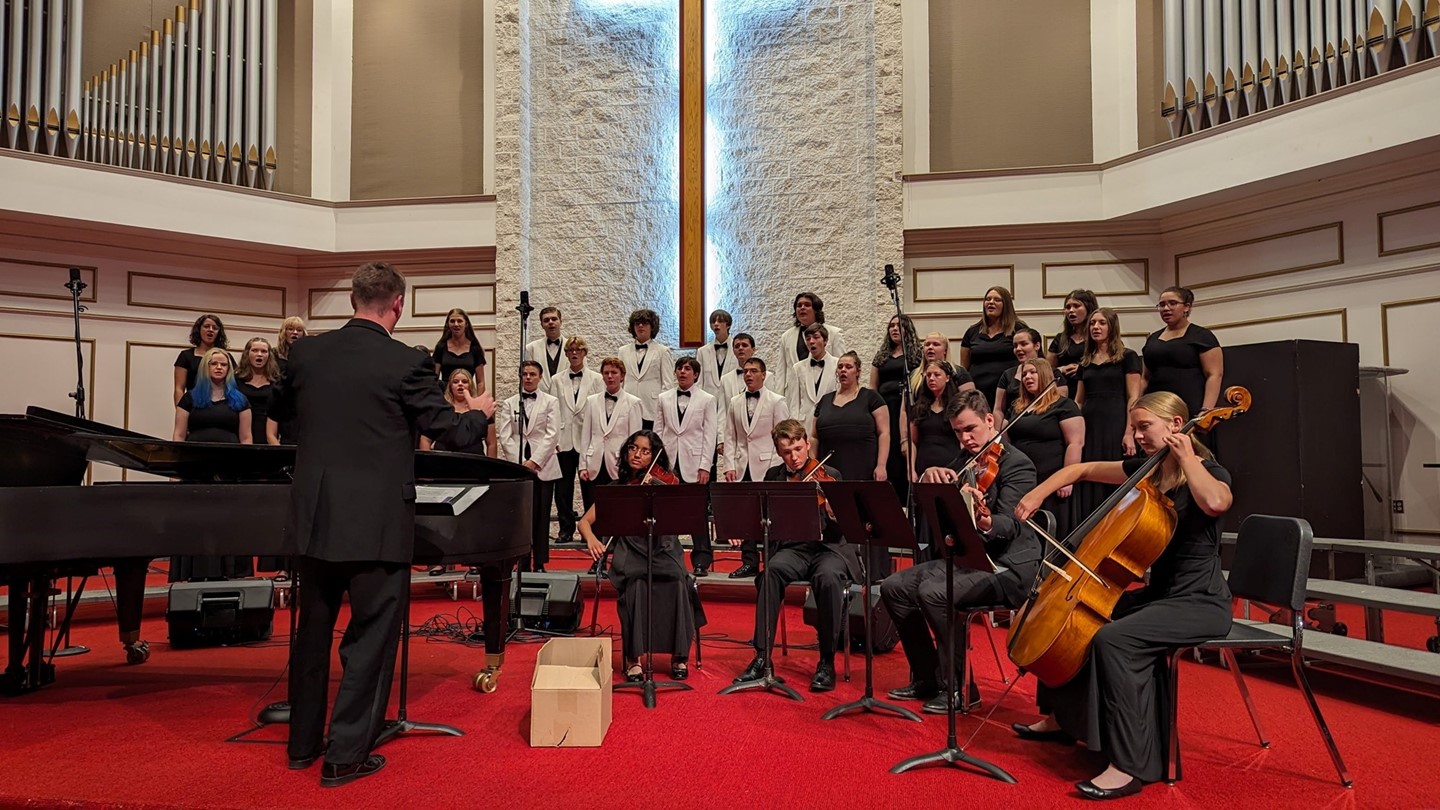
692	173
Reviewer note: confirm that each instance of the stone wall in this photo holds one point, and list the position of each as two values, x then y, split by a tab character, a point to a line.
804	104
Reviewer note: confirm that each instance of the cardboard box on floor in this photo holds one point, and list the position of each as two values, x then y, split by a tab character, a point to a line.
570	693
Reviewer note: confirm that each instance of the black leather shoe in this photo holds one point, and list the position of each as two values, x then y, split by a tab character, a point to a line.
1024	732
701	571
679	670
752	672
744	571
915	690
337	775
936	705
634	674
1089	791
303	762
824	679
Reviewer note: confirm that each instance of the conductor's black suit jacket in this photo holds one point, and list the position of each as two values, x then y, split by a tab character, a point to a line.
359	397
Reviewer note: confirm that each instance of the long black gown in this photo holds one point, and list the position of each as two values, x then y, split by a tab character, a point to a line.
1038	435
1174	365
678	614
472	360
1119	701
1074	353
1105	420
891	387
989	357
848	432
935	442
217	423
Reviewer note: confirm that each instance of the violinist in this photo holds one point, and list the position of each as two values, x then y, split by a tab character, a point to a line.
1117	702
915	597
827	562
677	611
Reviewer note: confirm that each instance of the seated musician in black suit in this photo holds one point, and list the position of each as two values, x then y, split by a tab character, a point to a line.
358	397
915	597
827	562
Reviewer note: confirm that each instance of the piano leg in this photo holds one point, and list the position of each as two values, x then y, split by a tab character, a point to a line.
495	609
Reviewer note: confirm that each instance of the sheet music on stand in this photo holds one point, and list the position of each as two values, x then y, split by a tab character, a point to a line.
446	500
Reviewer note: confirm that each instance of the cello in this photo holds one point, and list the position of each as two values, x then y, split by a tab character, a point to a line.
1051	635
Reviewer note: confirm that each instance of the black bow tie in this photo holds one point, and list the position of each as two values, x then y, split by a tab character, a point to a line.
640	347
552	341
612	397
722	345
752	394
739	371
682	393
575	375
817	363
527	396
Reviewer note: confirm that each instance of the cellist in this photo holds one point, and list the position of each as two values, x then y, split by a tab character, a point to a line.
1118	701
915	596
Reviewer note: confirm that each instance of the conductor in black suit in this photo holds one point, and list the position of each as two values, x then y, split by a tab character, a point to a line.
358	397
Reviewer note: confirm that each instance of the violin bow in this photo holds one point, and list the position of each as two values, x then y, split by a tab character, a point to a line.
818	467
1063	550
999	434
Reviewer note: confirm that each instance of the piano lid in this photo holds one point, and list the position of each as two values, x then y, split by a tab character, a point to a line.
38	447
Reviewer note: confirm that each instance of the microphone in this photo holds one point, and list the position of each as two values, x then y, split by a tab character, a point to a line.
524	308
75	285
74	274
891	278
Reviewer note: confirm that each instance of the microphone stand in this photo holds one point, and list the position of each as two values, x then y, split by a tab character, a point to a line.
517	620
62	646
907	395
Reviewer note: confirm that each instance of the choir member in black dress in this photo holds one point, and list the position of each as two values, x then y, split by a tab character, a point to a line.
1067	348
852	427
934	347
988	346
1183	358
207	333
678	615
459	382
1118	703
900	350
932	440
1027	347
458	348
915	597
1052	435
256	377
213	411
291	330
828	562
1109	383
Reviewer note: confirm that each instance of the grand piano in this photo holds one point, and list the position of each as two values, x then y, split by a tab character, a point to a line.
478	514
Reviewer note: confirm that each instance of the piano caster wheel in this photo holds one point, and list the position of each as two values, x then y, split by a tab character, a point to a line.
137	653
486	681
1340	629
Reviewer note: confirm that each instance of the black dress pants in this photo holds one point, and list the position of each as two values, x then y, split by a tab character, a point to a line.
826	571
565	492
367	656
915	600
540	527
702	554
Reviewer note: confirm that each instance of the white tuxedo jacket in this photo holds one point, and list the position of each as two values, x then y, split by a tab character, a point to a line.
572	407
648	381
535	350
600	438
713	366
748	445
690	442
540	431
802	394
785	359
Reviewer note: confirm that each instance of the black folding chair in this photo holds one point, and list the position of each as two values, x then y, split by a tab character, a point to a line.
1271	565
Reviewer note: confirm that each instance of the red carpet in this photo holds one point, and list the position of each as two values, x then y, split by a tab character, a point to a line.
152	736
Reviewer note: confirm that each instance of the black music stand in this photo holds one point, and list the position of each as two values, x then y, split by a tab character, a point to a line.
870	516
949	518
773	510
634	511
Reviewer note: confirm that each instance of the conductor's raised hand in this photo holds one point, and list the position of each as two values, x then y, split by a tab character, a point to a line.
481	402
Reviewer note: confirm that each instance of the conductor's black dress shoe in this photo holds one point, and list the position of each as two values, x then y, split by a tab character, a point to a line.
337	775
744	571
824	679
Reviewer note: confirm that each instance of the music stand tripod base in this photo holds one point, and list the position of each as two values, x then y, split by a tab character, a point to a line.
650	686
769	682
957	758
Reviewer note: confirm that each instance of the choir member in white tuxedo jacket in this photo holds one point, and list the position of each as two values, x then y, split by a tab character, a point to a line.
809	310
648	363
610	417
715	358
530	437
811	378
548	351
749	447
685	418
572	387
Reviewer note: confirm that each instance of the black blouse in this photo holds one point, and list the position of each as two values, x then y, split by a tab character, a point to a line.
989	356
1038	435
1174	365
216	423
1074	353
848	431
471	359
190	361
259	397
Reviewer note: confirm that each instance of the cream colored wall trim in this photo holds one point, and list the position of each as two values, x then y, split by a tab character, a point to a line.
332	55
1114	95
915	50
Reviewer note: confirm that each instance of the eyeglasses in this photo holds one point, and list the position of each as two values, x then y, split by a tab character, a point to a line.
1169	304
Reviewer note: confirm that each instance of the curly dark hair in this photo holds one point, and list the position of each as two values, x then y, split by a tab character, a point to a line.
913	353
221	342
645	316
657	449
815	303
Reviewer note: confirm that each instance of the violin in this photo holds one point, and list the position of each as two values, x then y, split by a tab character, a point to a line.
981	472
657	475
815	471
1050	637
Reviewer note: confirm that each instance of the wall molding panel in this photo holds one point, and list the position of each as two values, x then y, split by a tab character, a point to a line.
1264	257
1057	279
158	291
1407	229
944	284
24	278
